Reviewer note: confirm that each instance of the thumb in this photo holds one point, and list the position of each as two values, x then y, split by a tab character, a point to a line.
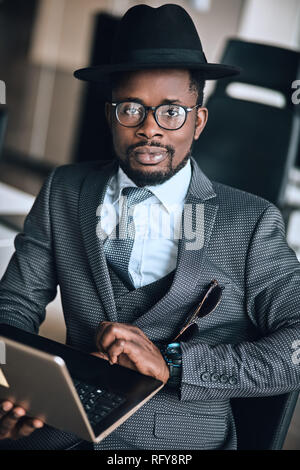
100	354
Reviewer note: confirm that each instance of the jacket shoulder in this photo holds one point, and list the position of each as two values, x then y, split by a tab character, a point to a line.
73	174
237	199
240	209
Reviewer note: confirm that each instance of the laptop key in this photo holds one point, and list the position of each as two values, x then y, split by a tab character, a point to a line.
103	406
97	402
118	399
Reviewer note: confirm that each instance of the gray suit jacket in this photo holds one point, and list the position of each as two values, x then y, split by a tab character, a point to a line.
243	349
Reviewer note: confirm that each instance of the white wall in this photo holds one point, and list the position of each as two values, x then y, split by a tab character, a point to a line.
274	22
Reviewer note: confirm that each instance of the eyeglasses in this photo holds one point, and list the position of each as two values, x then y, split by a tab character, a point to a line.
167	116
207	305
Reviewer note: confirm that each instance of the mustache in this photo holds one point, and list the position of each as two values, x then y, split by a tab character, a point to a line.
169	148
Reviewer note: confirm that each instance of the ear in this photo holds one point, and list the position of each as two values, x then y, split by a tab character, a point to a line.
201	120
108	114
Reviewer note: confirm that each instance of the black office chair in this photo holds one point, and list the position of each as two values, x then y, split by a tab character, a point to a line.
262	423
246	144
3	123
252	146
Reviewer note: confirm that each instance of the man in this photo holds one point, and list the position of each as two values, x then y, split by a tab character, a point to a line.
135	293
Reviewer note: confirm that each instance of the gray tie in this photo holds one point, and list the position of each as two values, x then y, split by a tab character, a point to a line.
118	249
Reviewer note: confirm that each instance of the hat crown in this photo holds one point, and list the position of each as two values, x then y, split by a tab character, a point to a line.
157	29
155	38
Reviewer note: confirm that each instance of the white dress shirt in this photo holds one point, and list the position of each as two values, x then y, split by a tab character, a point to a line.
157	222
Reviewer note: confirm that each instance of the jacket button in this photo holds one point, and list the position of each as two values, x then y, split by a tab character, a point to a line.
204	376
214	377
120	308
232	380
224	379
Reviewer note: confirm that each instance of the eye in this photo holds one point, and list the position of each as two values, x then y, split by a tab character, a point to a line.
171	111
131	109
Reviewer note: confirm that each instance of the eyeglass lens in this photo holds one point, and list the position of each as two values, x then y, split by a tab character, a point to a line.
168	116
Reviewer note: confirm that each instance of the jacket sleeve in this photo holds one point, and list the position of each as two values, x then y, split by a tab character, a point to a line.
271	364
29	282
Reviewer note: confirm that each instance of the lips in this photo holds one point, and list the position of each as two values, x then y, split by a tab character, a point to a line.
150	155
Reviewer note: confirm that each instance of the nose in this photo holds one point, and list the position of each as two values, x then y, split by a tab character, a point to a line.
149	128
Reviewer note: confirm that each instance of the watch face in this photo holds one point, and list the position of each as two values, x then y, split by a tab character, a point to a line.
173	352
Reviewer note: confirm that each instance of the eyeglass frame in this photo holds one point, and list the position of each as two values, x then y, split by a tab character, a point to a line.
187	109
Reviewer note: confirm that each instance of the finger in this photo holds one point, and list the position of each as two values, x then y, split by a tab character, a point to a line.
133	352
9	421
123	360
116	331
144	361
115	350
5	406
101	355
26	426
99	332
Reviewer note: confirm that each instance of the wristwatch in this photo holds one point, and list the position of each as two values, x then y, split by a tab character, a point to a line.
173	357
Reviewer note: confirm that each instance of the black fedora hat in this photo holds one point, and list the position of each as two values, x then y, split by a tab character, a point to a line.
163	37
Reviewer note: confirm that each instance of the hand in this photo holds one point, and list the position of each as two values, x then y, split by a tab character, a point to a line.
128	346
13	422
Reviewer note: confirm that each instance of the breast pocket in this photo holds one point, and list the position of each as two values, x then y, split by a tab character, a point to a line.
190	431
214	305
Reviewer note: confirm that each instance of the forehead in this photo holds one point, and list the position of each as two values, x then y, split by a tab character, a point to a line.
154	85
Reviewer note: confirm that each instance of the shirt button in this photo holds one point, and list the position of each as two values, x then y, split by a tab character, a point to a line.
224	379
204	376
232	380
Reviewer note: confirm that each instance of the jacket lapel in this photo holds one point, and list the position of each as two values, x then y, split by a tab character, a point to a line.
200	197
189	259
92	194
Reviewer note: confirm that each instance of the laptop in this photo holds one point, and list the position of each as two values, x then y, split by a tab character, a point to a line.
69	389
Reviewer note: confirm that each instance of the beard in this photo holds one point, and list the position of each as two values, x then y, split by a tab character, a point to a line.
143	178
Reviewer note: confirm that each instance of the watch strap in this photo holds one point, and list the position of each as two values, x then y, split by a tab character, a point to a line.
173	357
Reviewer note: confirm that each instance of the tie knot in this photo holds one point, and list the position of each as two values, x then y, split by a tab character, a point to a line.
136	195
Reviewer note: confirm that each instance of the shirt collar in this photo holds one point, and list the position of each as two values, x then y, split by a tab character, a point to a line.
173	191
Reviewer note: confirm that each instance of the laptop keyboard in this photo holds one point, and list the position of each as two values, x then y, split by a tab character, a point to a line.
97	402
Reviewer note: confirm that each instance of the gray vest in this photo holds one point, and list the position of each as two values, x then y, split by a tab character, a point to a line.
131	303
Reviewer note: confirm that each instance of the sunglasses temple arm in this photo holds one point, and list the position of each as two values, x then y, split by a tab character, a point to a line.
194	315
189	323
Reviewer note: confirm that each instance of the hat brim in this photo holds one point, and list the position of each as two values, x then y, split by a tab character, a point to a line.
102	73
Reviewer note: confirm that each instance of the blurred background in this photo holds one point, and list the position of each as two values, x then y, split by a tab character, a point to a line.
52	117
48	118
